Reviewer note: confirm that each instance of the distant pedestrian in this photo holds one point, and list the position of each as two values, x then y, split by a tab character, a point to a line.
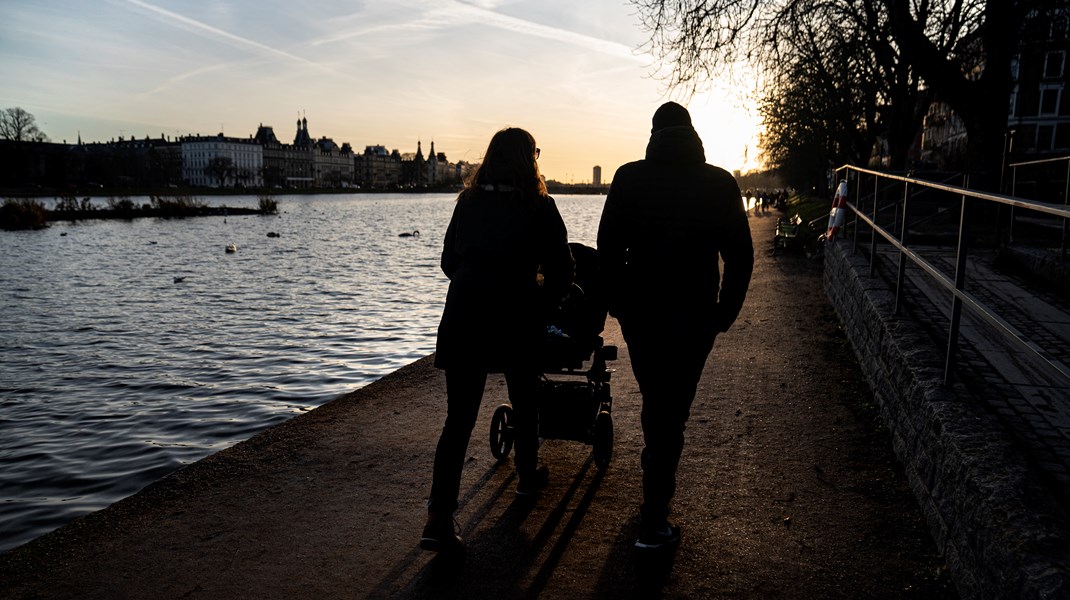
667	220
504	232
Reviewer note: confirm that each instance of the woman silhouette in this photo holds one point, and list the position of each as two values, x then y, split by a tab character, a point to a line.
504	232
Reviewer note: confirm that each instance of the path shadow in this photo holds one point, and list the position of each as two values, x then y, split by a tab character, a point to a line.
652	569
633	573
444	573
546	570
499	561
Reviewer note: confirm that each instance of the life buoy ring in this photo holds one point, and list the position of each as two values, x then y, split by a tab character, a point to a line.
838	214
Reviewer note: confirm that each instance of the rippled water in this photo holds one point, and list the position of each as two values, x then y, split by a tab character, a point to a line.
115	374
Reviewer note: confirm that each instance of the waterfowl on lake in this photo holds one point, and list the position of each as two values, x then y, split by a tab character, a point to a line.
272	234
414	233
232	248
180	279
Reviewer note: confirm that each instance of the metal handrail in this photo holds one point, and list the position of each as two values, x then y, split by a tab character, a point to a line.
1039	162
1065	239
960	297
1045	207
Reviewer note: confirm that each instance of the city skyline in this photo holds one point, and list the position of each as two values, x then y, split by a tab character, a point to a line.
367	74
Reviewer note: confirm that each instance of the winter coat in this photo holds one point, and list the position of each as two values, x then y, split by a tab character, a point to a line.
666	221
497	244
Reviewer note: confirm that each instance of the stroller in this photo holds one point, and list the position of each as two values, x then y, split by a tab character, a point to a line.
574	403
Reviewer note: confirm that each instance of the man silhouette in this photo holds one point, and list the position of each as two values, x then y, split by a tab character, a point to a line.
666	222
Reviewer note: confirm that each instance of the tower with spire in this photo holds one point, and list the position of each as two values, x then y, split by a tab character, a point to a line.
302	139
419	175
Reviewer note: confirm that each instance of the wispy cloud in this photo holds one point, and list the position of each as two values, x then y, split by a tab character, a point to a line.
174	81
442	14
493	18
205	29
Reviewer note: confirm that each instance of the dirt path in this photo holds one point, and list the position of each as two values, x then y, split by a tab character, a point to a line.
788	488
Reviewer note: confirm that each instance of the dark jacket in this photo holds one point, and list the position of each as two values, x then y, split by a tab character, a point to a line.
666	221
497	244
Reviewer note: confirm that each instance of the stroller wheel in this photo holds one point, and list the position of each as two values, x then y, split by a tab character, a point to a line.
603	439
501	432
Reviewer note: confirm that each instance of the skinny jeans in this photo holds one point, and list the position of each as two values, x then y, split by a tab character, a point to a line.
464	394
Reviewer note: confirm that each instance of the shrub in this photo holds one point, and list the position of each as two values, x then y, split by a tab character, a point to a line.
120	204
70	207
23	214
178	205
67	204
268	204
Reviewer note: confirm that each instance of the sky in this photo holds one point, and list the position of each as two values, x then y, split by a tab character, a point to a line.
366	72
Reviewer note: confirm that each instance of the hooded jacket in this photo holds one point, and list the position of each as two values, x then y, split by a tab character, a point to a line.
667	221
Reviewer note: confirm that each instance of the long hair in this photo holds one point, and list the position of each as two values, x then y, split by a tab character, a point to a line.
509	161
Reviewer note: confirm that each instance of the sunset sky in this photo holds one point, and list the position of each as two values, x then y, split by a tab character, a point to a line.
364	72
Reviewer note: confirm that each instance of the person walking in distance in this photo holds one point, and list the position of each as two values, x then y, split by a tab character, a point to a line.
666	222
505	231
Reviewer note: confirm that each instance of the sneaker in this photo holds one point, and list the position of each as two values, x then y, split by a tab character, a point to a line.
533	483
440	536
657	538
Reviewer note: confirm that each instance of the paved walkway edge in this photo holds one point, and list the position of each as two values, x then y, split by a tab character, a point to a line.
1001	531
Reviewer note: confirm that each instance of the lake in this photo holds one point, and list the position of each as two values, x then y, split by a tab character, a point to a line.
132	348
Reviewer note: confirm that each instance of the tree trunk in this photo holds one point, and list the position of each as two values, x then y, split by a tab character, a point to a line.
985	129
980	101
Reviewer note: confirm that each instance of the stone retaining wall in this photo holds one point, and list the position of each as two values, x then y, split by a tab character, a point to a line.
1001	532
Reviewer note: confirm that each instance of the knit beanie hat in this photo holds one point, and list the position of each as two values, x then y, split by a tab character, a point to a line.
670	114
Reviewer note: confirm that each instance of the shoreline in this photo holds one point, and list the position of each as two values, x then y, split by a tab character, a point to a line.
578	189
39	217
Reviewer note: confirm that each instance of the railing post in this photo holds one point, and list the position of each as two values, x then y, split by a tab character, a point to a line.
960	281
901	277
1014	192
1066	202
873	230
858	206
895	217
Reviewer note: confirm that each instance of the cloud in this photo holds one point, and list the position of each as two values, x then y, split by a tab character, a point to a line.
177	79
204	29
443	14
517	25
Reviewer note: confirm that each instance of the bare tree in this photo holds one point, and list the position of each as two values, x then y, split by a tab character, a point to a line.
220	168
20	126
821	93
960	50
964	50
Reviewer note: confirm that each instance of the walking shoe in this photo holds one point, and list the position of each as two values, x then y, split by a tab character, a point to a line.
439	535
659	537
534	482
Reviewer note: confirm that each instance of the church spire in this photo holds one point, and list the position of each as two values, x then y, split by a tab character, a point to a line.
302	138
